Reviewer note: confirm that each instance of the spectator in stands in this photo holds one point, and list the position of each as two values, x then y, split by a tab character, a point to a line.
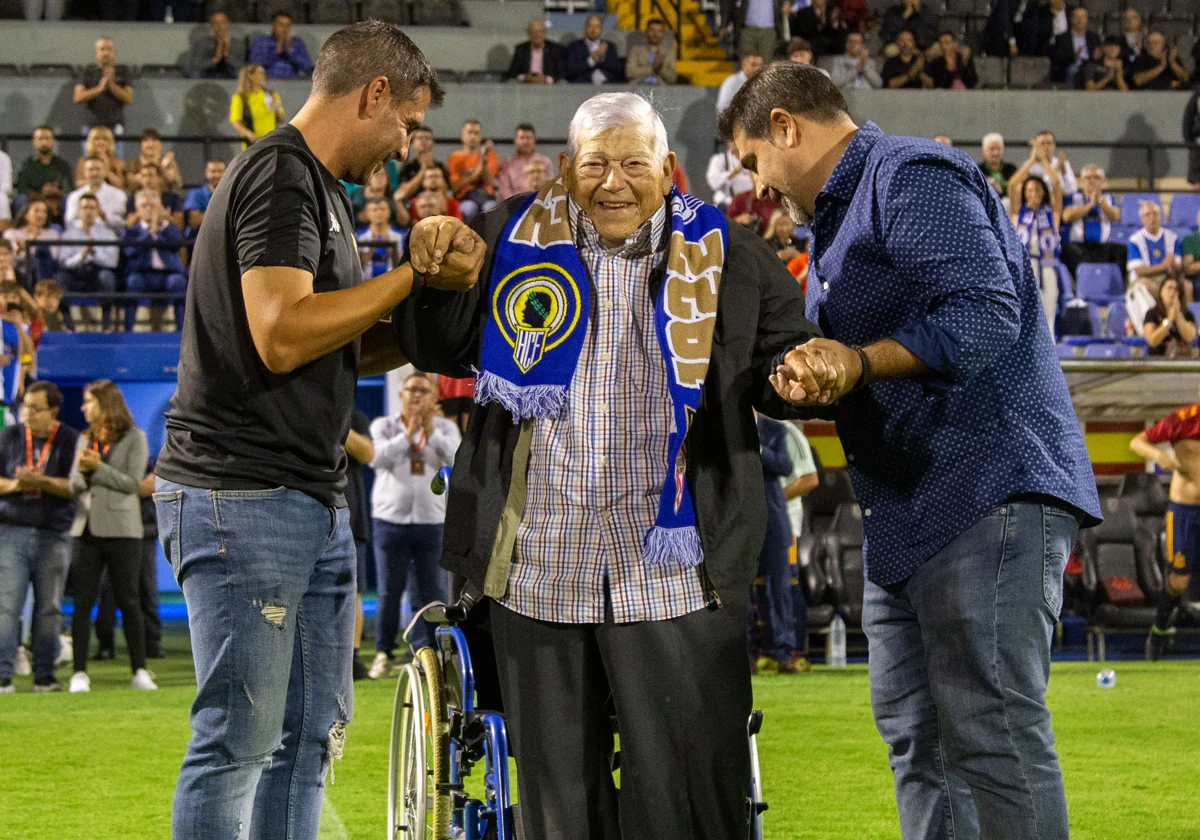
255	111
473	171
1109	71
800	51
100	143
216	54
906	69
1158	68
773	557
90	268
1191	133
855	69
18	356
37	509
111	459
780	234
1091	213
1035	206
377	186
726	177
1074	49
196	203
907	16
820	24
652	63
410	448
48	296
1020	27
954	69
750	211
1170	327
537	173
409	177
1043	147
43	174
593	60
383	257
538	61
994	167
1190	250
7	272
434	188
150	179
750	63
512	179
282	55
1154	252
32	262
112	200
754	26
155	269
1132	38
150	151
104	90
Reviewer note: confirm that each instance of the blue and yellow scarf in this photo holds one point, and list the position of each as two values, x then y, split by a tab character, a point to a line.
540	301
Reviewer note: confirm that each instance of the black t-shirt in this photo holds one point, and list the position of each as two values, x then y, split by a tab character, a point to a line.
232	424
356	491
47	511
106	109
1144	62
1173	345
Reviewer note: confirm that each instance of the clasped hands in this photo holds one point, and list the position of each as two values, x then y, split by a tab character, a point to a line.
447	252
818	372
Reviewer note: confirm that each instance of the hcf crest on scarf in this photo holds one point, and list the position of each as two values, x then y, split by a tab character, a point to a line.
539	294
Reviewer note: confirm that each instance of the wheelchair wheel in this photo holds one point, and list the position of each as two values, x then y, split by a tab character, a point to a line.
437	739
407	769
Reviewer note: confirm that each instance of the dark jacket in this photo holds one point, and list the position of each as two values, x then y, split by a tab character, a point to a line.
139	259
760	313
922	24
826	38
554	61
943	78
1062	55
1034	32
578	71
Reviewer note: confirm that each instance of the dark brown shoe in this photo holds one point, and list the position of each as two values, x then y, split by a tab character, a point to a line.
788	666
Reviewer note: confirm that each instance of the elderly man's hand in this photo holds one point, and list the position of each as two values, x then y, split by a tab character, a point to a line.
447	252
818	372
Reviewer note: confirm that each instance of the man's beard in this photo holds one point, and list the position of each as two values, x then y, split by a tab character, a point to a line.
795	211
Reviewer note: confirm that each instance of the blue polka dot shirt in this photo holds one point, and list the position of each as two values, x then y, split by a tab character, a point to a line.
910	243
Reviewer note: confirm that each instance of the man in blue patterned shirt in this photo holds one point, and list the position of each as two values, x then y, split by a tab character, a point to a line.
960	438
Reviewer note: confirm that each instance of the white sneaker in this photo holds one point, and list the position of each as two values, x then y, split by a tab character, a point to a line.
80	682
380	667
66	650
143	680
21	666
7	689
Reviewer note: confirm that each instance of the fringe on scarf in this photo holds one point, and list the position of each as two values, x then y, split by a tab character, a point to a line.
540	401
672	545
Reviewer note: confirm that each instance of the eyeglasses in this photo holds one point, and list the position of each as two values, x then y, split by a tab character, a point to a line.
33	409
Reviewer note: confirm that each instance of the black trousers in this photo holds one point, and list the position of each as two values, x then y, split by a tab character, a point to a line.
106	614
123	560
681	689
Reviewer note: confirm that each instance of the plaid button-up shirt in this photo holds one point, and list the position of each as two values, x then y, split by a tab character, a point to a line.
596	473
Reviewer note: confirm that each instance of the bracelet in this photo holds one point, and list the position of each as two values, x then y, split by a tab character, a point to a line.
864	378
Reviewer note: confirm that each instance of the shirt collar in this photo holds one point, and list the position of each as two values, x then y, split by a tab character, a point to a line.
844	178
647	239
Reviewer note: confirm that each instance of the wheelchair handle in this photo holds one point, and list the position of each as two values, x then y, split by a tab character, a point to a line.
437	612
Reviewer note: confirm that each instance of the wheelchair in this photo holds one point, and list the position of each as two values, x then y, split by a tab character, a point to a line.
438	739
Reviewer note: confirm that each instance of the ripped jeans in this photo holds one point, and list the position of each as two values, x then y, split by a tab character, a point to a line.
268	576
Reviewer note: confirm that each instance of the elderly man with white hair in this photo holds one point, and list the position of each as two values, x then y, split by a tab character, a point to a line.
994	167
608	496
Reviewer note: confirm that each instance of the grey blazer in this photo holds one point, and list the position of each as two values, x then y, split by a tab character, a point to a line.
109	503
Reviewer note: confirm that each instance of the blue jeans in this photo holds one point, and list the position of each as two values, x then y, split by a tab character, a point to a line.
399	549
268	576
773	566
155	282
39	556
960	659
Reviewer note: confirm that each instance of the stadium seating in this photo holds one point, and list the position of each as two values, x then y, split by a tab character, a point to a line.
1065	351
820	506
1184	207
1148	495
1099	282
844	567
1114	320
1106	350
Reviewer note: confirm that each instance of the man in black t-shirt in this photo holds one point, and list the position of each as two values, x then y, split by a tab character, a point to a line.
251	482
36	511
104	90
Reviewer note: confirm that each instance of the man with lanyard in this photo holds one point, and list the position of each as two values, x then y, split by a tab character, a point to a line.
36	512
961	443
1182	431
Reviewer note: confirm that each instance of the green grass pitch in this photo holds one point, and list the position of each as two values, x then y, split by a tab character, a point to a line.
102	766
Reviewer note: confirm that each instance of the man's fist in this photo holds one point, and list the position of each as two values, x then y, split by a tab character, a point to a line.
818	372
447	252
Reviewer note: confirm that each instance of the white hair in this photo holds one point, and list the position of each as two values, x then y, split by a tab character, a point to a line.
1142	205
994	137
1093	167
606	111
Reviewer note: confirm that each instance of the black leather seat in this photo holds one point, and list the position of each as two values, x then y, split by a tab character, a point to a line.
844	570
819	508
1148	494
1119	549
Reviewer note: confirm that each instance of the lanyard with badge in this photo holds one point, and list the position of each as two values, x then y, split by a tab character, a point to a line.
41	461
416	464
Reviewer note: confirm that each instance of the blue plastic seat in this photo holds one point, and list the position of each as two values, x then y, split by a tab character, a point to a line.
1065	351
1129	207
1114	321
1106	350
1099	282
1184	207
